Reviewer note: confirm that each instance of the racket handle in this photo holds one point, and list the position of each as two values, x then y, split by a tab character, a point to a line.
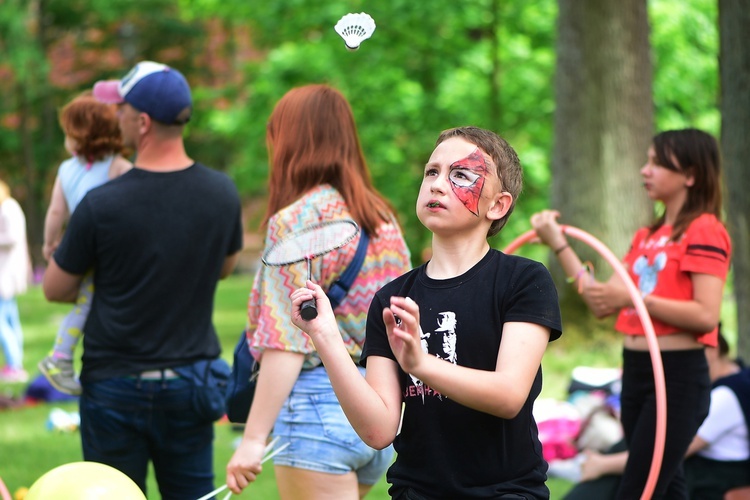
308	310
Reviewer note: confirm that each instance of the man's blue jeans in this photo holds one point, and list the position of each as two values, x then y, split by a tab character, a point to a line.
125	422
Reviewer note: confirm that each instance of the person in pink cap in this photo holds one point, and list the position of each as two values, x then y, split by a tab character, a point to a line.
158	238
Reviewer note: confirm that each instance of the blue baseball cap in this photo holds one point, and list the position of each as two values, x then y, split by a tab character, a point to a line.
152	88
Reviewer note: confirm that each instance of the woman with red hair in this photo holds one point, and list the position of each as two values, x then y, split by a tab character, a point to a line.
318	173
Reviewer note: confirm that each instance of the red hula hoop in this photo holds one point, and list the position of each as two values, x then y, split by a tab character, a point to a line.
653	345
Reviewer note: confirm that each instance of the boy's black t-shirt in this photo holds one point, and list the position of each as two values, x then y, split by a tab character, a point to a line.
157	243
447	450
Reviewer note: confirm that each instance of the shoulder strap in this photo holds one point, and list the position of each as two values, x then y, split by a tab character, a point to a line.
340	287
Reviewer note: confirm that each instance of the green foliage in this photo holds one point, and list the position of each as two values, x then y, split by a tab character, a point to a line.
426	68
685	48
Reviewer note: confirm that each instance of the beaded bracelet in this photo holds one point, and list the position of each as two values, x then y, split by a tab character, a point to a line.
583	270
586	268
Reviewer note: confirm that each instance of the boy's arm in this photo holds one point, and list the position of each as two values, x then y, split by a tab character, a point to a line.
57	214
501	392
372	404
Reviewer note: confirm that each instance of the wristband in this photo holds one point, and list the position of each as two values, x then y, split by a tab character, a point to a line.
558	250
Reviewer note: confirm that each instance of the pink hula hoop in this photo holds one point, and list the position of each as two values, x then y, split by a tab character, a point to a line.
653	345
4	493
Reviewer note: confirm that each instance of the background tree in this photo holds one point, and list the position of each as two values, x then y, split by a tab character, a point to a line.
54	49
734	23
427	67
603	126
23	43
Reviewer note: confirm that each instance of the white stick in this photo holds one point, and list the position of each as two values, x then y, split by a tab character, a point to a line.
215	492
266	458
270	445
276	452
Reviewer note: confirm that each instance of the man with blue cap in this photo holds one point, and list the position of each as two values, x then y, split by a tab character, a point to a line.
158	239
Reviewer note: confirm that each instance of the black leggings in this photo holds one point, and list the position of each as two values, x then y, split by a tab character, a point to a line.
688	390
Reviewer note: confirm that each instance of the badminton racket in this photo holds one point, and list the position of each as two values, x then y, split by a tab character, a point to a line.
306	244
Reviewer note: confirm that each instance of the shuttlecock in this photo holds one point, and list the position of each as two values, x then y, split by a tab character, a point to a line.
354	28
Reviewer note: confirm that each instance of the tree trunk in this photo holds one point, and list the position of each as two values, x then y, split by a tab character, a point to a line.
603	127
495	109
734	67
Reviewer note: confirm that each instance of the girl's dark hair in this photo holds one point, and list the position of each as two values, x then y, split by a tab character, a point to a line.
93	125
503	156
312	139
696	153
723	344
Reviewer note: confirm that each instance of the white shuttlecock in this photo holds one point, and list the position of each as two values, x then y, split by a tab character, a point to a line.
354	28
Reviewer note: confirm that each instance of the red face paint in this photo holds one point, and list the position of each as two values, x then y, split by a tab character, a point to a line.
467	179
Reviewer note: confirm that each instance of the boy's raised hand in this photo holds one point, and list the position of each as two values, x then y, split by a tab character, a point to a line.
402	324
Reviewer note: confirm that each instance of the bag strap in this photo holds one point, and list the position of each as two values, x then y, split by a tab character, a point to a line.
339	288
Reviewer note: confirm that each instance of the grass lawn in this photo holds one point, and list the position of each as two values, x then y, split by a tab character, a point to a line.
28	449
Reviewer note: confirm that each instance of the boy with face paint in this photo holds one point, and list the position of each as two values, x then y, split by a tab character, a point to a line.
457	342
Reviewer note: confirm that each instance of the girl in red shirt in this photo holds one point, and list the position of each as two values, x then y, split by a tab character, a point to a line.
679	263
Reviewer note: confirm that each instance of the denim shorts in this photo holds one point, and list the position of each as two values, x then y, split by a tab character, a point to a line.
321	438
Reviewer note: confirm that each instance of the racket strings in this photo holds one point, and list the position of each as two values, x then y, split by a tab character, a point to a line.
310	242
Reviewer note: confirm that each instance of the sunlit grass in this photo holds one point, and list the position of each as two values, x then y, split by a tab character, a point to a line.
28	449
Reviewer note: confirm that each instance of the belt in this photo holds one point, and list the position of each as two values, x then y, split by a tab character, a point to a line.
164	374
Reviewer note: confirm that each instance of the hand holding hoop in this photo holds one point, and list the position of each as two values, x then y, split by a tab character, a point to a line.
653	344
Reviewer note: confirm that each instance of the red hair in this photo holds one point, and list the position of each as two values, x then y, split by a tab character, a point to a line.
312	139
93	125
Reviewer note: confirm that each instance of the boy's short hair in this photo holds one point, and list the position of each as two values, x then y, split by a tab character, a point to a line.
502	155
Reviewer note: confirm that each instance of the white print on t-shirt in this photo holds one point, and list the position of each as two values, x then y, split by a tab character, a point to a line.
446	326
660	242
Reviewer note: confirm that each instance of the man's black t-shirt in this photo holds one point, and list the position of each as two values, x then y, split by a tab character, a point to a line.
447	450
157	243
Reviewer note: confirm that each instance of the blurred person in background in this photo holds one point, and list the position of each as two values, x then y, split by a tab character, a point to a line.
15	267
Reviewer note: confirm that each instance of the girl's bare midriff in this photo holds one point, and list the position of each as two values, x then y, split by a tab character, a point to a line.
672	342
